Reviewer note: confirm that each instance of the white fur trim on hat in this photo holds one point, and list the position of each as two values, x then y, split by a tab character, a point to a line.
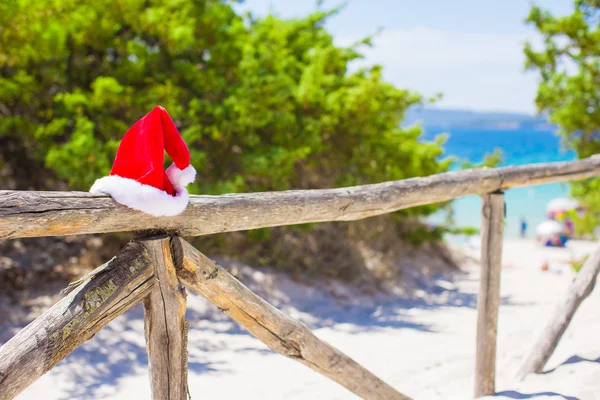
142	197
181	177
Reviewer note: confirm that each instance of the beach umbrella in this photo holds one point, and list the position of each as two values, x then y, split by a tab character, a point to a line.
548	228
561	204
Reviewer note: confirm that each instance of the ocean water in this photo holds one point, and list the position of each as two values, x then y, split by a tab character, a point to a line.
519	147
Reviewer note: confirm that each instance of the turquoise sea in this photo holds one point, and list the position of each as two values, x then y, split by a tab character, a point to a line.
518	146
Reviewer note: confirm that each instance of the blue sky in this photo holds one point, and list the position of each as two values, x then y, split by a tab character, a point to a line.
469	50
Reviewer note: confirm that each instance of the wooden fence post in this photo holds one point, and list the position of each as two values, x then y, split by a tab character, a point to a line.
488	302
165	326
580	288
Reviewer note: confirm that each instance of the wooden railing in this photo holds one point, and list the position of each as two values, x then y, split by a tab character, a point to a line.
153	269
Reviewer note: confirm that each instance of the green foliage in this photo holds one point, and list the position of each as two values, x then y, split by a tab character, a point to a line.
490	160
578	264
569	68
264	104
585	226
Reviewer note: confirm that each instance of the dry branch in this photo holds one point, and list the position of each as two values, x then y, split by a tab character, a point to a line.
579	290
488	301
103	295
33	214
165	326
281	333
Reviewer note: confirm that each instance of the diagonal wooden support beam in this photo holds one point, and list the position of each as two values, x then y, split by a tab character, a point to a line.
578	291
100	297
281	333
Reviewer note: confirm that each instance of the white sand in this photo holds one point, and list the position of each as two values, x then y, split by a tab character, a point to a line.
424	347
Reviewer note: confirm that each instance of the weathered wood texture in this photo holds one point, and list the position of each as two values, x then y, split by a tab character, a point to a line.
282	334
488	301
580	288
32	214
106	293
165	326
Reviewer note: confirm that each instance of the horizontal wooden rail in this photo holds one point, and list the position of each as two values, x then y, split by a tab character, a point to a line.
33	214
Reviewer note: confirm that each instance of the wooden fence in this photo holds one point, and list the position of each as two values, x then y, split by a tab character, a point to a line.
154	270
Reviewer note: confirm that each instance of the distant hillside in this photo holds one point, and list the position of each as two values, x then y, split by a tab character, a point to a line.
464	118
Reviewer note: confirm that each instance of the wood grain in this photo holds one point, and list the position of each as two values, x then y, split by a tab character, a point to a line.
579	290
488	301
165	326
281	333
106	293
33	214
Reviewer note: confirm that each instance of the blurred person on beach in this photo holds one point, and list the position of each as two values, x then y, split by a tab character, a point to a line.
569	227
556	240
523	227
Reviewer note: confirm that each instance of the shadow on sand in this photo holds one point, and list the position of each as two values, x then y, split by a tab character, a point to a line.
511	394
118	351
573	360
319	309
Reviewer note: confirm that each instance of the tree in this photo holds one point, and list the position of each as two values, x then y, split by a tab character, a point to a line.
569	69
264	104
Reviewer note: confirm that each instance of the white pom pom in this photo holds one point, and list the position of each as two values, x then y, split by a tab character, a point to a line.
181	177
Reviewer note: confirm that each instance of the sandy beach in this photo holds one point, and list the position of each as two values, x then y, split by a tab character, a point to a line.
424	346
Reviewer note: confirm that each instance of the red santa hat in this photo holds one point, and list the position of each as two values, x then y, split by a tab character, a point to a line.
138	179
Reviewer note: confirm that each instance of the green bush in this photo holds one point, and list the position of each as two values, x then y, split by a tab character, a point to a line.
568	64
264	104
